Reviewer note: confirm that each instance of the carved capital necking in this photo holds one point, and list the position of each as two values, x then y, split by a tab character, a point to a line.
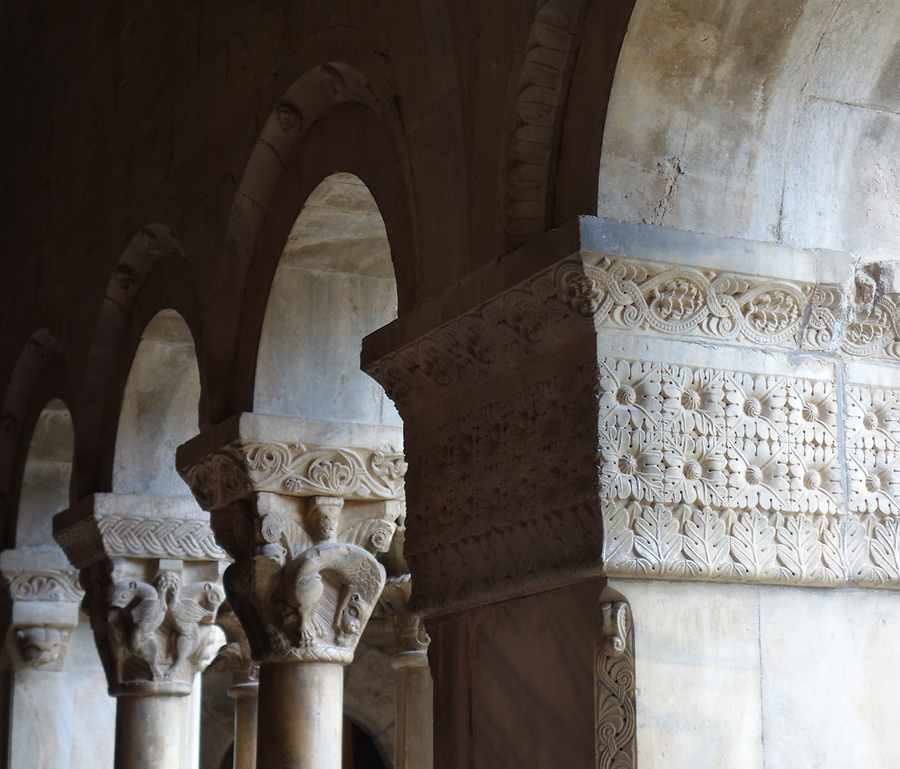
152	575
303	524
43	598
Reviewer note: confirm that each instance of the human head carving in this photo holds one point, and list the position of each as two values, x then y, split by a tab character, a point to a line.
323	518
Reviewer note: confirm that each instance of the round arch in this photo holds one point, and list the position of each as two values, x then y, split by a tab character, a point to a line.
773	121
347	138
39	376
152	275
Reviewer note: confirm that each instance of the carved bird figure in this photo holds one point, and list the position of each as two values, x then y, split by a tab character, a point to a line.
188	609
147	613
361	575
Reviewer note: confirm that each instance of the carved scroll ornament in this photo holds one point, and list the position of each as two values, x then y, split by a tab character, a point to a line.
245	467
615	693
44	585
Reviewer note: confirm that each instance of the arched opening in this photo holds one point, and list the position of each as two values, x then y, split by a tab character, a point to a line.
159	409
772	121
56	708
334	284
46	478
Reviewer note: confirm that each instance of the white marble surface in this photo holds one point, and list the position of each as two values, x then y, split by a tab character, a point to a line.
765	677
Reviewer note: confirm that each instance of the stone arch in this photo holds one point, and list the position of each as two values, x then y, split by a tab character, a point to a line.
152	275
160	407
586	108
39	376
770	121
46	478
312	135
541	91
333	285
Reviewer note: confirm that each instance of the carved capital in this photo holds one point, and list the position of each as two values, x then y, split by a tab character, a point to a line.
153	622
152	575
44	596
305	578
42	647
236	655
412	639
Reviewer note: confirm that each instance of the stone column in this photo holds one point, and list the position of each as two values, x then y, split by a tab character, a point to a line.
152	575
415	720
43	594
244	689
302	523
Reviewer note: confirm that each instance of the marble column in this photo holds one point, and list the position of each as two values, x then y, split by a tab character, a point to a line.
244	689
152	575
303	523
415	721
42	604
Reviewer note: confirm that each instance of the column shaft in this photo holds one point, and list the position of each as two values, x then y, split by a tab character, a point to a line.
149	732
414	741
301	705
246	702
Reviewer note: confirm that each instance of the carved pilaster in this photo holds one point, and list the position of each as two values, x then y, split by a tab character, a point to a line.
44	595
615	693
152	578
303	524
412	638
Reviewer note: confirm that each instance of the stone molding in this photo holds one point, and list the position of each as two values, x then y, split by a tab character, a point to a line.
615	691
679	301
409	628
244	467
122	526
54	586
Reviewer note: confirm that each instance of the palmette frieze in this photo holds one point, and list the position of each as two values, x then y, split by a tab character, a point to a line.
244	467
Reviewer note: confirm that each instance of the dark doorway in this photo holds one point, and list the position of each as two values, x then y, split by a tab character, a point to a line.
360	750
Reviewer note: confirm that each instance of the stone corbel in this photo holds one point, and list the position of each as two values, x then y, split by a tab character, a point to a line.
152	575
303	523
44	597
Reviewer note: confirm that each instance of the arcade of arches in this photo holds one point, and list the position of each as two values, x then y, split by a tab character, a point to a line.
437	385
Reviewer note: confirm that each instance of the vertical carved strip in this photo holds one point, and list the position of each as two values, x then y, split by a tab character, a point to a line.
614	677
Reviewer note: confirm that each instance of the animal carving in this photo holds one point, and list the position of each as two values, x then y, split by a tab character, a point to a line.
166	619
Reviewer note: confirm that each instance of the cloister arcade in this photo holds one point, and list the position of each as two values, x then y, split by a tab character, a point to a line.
445	385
